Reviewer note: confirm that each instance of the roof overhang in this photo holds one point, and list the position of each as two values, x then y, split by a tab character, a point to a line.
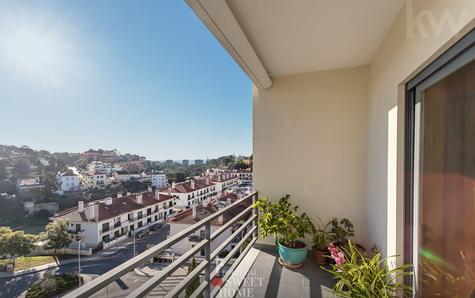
219	19
270	38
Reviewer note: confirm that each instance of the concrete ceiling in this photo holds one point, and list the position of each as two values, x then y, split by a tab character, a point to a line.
297	36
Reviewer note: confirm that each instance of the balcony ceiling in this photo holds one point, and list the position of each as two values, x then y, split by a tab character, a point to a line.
309	35
297	36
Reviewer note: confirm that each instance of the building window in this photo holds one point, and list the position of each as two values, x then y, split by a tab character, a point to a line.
105	227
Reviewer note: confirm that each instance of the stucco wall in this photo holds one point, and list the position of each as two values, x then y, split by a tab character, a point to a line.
412	42
310	141
334	140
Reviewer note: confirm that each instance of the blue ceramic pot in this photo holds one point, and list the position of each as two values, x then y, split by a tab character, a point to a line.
292	256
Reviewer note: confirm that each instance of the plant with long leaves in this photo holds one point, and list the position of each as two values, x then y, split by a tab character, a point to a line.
282	221
321	234
361	276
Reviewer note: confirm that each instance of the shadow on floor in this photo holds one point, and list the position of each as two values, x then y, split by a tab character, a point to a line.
267	278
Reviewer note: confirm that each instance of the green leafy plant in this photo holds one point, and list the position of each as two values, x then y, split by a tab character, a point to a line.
56	235
15	243
321	234
360	276
52	285
440	279
195	283
282	221
342	229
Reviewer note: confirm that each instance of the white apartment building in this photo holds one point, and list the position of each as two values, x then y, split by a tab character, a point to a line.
159	180
25	184
94	181
100	222
123	176
68	181
99	167
190	192
244	175
224	181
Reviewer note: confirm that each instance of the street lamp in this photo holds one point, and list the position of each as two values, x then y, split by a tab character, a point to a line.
134	236
79	259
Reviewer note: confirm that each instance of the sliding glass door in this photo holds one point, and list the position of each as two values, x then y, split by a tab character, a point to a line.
440	180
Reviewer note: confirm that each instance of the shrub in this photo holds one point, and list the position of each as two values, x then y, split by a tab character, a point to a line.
360	276
51	285
282	221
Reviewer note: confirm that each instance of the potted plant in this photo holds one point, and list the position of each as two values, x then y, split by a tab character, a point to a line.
287	226
321	237
342	229
358	275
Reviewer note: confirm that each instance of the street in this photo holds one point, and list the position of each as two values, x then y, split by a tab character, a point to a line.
96	264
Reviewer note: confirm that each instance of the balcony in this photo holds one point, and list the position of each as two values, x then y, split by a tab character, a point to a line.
266	278
207	268
247	268
117	224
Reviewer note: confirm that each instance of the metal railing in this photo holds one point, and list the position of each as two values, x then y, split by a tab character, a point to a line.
205	265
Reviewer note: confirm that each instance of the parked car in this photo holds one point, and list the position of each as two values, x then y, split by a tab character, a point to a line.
157	225
141	233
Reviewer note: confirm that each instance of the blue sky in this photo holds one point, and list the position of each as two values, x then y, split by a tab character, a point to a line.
143	77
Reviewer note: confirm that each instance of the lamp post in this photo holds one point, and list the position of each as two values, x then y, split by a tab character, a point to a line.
79	259
134	236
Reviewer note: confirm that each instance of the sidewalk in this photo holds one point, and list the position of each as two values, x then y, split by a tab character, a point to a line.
37	268
101	254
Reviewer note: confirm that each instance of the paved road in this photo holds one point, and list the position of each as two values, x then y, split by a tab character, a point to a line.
94	265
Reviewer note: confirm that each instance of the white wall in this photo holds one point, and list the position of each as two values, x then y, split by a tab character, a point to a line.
323	137
310	141
405	50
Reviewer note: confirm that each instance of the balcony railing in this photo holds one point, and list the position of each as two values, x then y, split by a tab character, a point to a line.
205	287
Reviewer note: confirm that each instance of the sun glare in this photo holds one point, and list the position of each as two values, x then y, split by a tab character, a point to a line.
35	52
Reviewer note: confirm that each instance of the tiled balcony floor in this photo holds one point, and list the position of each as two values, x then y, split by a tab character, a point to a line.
267	278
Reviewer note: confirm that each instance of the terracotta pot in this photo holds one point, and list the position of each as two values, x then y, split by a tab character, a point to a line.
319	256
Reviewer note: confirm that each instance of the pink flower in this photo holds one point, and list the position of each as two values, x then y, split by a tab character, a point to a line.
336	254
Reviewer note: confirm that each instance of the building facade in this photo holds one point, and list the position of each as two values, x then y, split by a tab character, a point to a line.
224	181
100	222
94	181
68	181
190	192
159	180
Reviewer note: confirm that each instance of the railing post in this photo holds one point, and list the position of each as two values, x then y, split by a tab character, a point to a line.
256	221
207	290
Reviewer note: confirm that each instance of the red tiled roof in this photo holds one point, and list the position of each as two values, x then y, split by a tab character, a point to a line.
202	212
119	206
226	196
68	173
215	178
185	187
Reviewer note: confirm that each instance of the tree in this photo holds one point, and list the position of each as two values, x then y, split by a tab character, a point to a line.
180	177
56	235
195	283
82	163
3	170
7	186
21	169
15	243
51	185
5	230
239	165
